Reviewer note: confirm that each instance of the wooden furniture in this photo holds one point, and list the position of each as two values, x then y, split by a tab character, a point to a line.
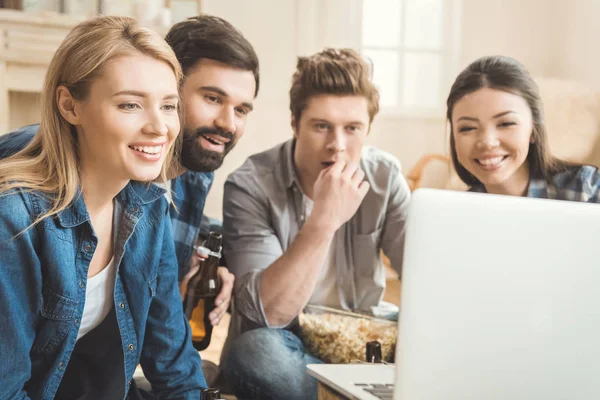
327	393
27	44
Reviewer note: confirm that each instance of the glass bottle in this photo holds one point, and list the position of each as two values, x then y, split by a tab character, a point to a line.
203	287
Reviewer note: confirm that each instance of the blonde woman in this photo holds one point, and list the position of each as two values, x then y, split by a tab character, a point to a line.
88	274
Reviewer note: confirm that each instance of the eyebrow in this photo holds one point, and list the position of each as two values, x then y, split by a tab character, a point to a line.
503	113
313	120
142	94
223	93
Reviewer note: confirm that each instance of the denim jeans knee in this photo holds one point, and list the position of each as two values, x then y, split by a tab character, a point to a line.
270	363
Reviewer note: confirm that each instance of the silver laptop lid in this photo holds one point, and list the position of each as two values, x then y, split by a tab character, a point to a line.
500	299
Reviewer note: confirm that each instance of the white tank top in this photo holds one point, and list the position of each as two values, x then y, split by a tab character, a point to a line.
99	298
100	290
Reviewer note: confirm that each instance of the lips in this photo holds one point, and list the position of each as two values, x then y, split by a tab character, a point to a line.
147	149
491	162
217	140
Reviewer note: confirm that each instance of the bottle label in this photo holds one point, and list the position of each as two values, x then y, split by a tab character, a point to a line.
212	284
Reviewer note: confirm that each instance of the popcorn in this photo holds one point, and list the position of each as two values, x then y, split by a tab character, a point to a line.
340	339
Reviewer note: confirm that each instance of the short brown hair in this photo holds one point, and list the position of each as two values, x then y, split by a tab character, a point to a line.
332	71
207	36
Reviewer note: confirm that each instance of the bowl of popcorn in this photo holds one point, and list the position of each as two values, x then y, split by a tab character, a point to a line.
339	337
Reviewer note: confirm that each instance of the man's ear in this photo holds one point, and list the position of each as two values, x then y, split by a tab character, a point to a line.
67	105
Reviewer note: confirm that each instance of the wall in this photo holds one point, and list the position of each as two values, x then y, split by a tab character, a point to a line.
579	26
270	25
551	37
528	30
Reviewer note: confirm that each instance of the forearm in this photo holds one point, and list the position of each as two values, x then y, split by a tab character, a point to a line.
287	285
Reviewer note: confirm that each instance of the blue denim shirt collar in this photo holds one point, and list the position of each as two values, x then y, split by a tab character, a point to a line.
133	195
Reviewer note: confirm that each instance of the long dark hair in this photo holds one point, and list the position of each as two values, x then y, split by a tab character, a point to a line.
507	74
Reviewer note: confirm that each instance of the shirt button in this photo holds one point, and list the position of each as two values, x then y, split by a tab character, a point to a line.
87	248
129	383
130	347
61	366
135	209
81	284
121	305
76	322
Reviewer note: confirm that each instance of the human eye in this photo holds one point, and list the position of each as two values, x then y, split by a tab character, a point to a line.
241	111
211	98
507	124
321	126
352	128
170	107
131	106
465	129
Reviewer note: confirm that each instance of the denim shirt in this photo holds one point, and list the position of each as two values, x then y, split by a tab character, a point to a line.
43	277
189	192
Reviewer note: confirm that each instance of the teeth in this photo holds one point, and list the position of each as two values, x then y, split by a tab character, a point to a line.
491	161
148	149
213	140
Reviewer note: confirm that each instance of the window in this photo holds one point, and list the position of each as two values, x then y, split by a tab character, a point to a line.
412	44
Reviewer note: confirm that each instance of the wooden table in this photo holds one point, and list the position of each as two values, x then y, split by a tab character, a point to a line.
327	393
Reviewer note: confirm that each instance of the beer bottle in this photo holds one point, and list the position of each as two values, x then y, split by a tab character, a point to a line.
202	289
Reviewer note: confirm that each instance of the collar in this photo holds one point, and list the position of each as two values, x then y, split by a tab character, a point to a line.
287	160
535	187
134	194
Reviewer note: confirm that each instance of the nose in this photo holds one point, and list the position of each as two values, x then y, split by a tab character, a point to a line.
155	124
488	139
226	119
337	143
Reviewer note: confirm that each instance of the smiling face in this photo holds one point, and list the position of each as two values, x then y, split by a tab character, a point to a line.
492	130
331	128
129	120
218	99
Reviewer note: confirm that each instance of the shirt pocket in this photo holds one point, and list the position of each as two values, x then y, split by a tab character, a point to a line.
57	316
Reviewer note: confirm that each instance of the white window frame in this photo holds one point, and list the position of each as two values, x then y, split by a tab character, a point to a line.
338	23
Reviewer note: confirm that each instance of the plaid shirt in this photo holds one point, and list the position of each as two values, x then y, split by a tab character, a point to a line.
574	184
189	192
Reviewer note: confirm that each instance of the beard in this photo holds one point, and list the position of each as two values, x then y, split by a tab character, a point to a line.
196	158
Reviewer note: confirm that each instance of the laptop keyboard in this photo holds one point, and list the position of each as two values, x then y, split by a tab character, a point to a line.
381	391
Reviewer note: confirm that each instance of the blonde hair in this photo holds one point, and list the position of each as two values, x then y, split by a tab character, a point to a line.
49	164
332	71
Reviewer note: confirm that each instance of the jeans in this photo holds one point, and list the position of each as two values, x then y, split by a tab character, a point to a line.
270	363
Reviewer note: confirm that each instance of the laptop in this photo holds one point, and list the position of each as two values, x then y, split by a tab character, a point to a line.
500	300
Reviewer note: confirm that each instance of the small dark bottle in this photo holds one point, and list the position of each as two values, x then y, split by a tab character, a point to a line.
203	288
373	350
211	394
